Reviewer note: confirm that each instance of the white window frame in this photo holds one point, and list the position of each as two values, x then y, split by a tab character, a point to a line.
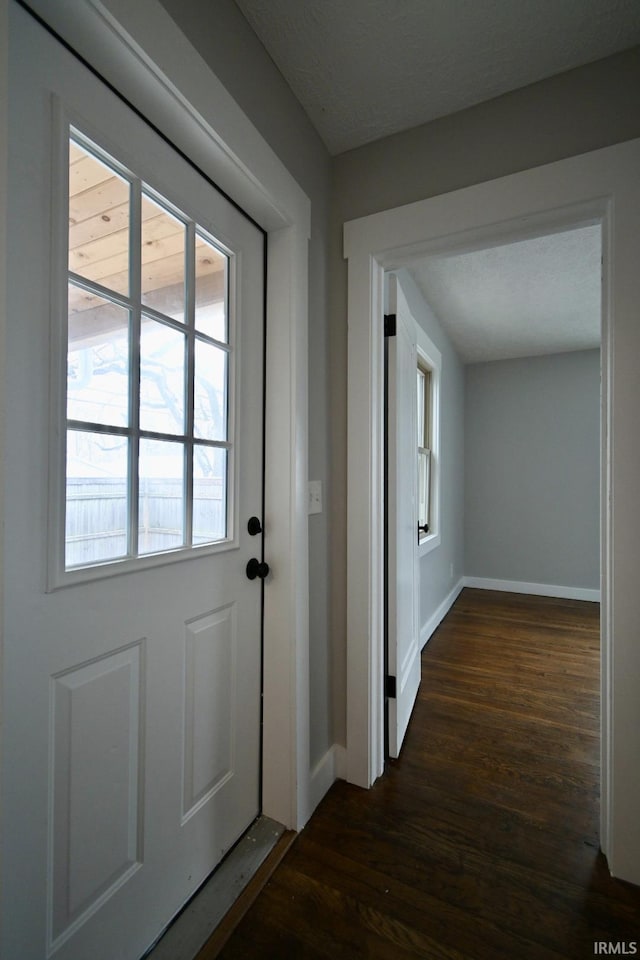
430	358
66	125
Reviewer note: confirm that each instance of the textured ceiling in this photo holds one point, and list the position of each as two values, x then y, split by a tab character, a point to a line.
363	69
522	299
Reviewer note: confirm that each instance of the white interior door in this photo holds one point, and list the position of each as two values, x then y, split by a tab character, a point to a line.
403	647
133	635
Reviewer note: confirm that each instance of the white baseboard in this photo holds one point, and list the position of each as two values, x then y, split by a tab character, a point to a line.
435	619
331	767
537	589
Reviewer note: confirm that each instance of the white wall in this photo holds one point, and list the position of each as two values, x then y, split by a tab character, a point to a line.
442	568
532	456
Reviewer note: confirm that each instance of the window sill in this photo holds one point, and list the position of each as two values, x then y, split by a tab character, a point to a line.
428	543
60	578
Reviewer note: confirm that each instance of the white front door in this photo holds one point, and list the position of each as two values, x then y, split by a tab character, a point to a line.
134	392
403	647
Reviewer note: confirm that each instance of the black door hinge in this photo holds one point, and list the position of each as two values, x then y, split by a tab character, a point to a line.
390	687
389	324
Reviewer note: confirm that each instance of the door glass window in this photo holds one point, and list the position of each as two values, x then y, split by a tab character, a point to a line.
96	502
211	290
97	360
149	370
162	377
99	220
210	413
163	260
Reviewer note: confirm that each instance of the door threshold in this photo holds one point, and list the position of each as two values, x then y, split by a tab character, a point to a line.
205	924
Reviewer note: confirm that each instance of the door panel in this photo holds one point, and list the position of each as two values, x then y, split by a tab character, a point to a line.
403	647
95	801
210	683
132	700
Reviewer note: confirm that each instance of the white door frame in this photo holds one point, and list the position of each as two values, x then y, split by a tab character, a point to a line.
165	78
597	187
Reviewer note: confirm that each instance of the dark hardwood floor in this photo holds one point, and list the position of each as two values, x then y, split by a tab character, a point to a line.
481	841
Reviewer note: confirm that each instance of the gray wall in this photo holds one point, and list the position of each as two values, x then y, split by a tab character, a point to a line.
442	568
226	42
582	110
532	458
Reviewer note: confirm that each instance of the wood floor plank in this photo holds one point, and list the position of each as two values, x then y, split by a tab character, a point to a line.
481	840
439	919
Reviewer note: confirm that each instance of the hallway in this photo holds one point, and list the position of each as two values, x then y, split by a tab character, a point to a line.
482	840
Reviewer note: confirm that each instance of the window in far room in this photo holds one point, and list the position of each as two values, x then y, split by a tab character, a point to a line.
424	449
428	442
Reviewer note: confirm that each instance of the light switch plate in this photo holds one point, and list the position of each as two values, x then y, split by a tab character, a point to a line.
315	496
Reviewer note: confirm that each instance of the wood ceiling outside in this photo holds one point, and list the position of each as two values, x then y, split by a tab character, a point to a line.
99	212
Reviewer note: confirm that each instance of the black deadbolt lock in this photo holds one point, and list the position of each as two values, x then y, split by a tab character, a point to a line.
254	526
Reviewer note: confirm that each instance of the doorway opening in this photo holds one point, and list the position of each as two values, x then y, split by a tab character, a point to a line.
587	189
518	327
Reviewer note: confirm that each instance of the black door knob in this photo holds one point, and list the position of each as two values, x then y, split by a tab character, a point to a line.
254	526
257	569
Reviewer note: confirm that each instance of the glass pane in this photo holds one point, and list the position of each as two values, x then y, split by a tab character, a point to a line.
424	486
162	371
96	520
210	392
427	409
98	221
161	503
420	422
97	361
209	494
211	290
163	267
